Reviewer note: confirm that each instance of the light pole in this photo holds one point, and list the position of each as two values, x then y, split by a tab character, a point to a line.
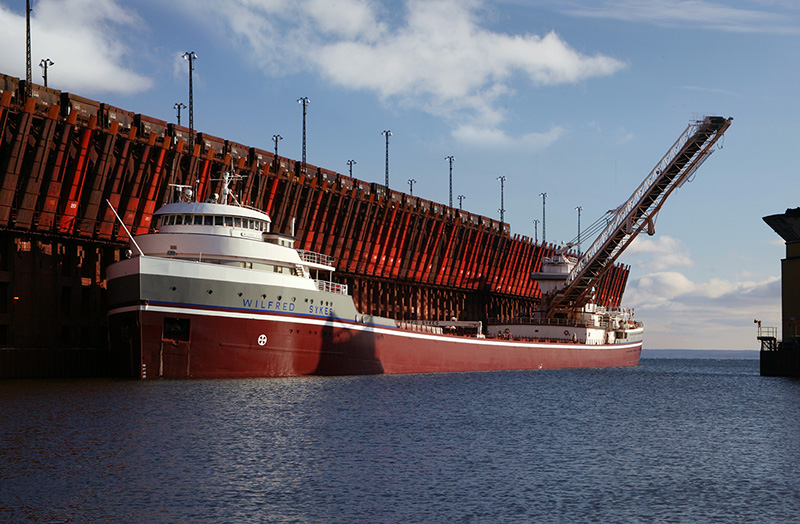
275	139
28	72
191	57
460	199
305	101
536	230
44	64
178	106
411	183
544	234
351	163
451	158
387	134
579	209
502	180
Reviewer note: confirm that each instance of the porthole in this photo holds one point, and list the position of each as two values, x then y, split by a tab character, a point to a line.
240	293
209	291
173	288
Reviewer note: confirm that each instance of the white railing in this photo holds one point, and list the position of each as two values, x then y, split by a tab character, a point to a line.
331	287
315	258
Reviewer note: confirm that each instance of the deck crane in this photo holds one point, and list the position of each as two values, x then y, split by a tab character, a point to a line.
567	283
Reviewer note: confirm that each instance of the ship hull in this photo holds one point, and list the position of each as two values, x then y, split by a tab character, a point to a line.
177	341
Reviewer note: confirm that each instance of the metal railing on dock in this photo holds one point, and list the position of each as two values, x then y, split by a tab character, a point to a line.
768	335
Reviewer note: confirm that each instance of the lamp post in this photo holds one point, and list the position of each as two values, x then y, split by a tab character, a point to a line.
450	159
44	64
191	57
28	72
502	180
544	234
275	139
351	163
411	183
305	101
387	134
178	106
460	199
579	209
535	230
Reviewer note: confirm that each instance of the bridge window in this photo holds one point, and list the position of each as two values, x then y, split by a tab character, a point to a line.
198	220
228	221
218	220
237	221
208	220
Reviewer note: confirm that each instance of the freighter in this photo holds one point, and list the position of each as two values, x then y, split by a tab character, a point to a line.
211	291
214	293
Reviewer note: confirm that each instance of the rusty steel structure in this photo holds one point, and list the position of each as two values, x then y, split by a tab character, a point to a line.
62	157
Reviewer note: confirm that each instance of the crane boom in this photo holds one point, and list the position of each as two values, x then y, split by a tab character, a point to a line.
639	211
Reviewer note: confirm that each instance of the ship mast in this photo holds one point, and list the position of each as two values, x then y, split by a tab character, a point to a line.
637	214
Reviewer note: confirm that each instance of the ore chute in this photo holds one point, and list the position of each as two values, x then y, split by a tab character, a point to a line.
566	280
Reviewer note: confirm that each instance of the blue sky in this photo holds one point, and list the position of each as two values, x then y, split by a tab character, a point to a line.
575	98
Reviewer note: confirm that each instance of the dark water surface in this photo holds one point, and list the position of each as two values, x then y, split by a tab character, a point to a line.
674	440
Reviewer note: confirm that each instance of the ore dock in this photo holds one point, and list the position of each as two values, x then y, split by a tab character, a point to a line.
781	358
64	158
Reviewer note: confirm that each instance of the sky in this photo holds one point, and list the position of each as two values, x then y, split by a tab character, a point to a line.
578	99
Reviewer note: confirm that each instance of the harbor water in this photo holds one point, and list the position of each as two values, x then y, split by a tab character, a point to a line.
671	441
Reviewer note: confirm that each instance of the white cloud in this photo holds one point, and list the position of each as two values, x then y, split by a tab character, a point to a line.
711	90
674	287
680	313
498	139
717	314
660	252
687	14
435	56
625	139
81	37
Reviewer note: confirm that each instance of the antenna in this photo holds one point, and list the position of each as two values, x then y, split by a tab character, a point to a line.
110	205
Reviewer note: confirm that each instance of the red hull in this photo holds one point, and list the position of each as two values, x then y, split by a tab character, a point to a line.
226	344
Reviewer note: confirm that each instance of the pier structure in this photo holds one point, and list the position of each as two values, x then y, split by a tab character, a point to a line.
781	358
64	158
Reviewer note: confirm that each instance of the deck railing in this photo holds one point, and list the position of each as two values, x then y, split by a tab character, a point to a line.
331	287
315	258
537	321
